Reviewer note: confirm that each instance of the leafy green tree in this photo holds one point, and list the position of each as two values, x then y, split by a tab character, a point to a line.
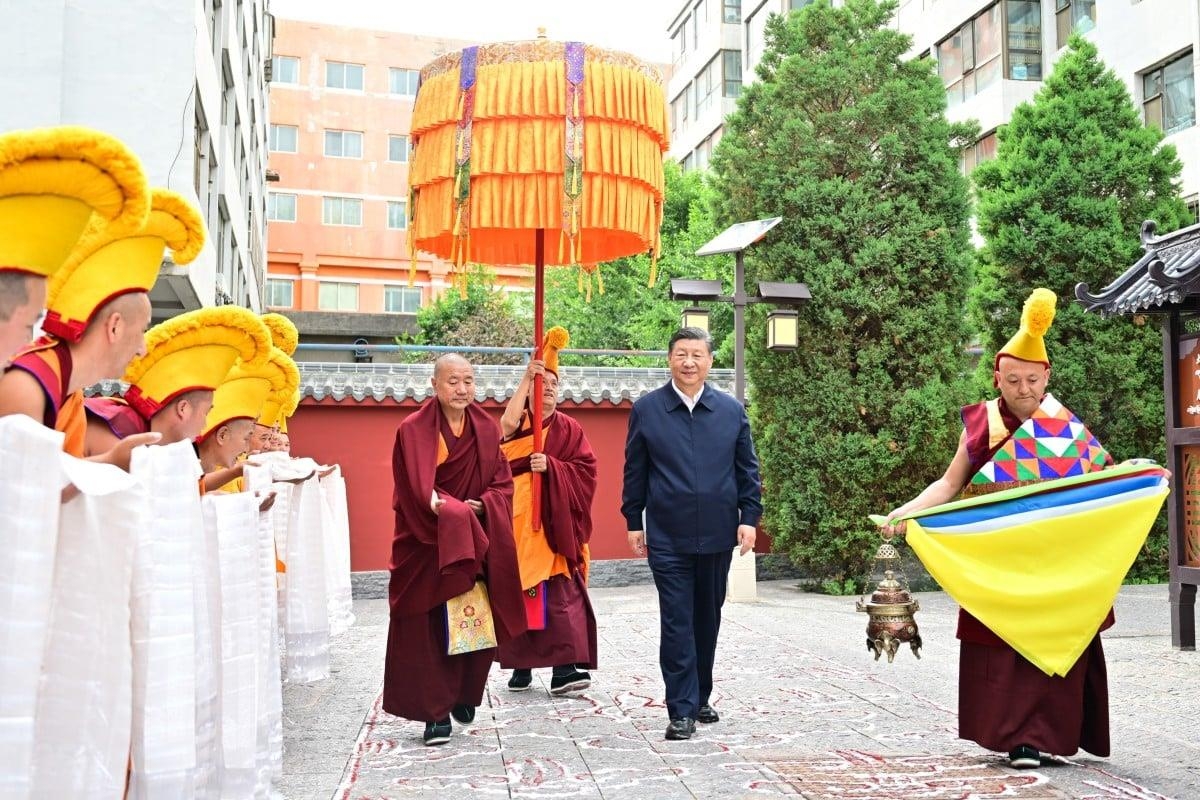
847	140
628	315
1075	174
486	317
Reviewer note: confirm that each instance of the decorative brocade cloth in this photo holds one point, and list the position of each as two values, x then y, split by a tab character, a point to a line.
1053	443
469	625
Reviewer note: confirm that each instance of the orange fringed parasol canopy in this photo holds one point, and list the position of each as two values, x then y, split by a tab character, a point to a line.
516	137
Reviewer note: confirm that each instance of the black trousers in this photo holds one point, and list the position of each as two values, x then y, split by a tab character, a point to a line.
691	591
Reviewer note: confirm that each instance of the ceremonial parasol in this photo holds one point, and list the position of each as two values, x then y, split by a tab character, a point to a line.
519	142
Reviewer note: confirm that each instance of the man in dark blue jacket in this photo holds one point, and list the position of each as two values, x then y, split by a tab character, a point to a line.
691	495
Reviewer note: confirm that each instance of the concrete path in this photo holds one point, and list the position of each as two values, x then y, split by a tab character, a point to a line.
805	712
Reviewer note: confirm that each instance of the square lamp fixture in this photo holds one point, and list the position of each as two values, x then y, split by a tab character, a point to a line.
695	317
783	330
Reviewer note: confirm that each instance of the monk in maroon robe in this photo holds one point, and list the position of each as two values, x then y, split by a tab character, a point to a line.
1005	703
453	504
554	560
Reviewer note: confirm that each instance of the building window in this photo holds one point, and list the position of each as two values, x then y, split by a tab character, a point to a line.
341	211
679	43
397	214
403	81
696	27
731	11
1169	95
983	150
1024	39
285	69
756	36
969	59
283	138
343	144
679	111
732	65
1193	207
796	5
279	293
343	76
398	148
1073	16
707	84
401	299
281	207
337	296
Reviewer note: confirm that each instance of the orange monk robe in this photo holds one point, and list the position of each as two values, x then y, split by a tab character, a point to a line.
555	559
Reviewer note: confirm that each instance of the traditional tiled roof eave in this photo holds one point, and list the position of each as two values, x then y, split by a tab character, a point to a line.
1164	278
402	382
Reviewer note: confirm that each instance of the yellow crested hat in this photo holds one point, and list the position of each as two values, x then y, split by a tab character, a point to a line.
1027	343
282	402
194	351
283	332
555	339
247	387
106	264
285	407
52	181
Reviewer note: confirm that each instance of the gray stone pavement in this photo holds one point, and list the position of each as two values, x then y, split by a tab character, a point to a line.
805	710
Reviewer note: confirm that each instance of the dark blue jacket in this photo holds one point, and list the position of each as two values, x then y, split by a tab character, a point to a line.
695	474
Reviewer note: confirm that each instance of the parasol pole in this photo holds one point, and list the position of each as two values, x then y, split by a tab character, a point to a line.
539	302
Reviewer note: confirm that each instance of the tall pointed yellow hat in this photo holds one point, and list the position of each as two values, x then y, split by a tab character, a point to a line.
52	182
556	339
284	334
106	264
194	351
1027	343
246	388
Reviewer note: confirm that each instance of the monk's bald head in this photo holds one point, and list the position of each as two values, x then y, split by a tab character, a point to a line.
450	361
454	383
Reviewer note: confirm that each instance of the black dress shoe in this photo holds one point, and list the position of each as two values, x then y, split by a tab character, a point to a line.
572	682
463	714
681	728
707	714
521	680
437	732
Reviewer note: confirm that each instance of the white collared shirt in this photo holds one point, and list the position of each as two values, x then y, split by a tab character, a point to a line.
690	402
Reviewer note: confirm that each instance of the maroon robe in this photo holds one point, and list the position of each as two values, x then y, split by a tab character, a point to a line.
1003	699
568	486
438	556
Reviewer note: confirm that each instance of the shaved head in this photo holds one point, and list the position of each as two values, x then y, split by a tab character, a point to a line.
22	297
450	361
14	292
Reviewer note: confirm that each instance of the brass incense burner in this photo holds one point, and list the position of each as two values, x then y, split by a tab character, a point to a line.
891	608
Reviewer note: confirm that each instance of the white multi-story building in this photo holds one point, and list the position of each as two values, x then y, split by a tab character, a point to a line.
991	56
183	83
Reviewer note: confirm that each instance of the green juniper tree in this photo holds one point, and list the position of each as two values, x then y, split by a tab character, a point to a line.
1075	174
847	140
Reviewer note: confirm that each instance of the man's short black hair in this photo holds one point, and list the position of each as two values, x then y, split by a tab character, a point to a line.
694	334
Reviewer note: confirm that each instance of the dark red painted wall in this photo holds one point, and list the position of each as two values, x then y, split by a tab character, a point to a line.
359	437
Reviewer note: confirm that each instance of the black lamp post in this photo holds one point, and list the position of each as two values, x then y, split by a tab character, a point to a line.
781	324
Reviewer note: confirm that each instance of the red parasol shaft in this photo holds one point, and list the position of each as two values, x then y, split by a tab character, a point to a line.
539	302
